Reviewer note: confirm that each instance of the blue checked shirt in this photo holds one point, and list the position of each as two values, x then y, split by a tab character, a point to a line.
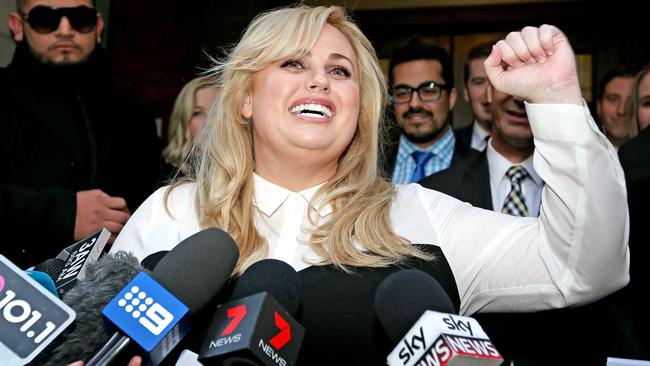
443	151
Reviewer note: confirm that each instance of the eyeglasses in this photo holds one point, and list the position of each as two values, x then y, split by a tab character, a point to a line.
428	91
45	19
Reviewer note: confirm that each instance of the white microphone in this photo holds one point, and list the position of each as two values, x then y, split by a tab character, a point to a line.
439	339
416	312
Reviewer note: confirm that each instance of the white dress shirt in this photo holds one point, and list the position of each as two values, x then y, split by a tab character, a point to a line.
500	185
479	137
574	252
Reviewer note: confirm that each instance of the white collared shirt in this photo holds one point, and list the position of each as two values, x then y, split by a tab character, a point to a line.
281	217
573	253
500	185
479	137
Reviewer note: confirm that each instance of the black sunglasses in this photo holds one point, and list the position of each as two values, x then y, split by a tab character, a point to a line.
45	19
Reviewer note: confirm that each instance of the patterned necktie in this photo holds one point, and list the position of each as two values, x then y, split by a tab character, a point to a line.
421	158
515	203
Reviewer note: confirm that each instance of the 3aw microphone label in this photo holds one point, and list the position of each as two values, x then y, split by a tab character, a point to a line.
30	316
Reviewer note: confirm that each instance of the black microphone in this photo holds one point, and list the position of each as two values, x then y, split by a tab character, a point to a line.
418	315
152	311
104	279
77	258
52	267
258	328
151	261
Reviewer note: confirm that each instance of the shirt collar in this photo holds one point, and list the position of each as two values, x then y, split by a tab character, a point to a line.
268	197
499	165
440	148
480	132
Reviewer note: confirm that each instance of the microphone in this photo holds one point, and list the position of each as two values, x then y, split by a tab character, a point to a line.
258	328
436	337
52	267
44	280
103	280
30	316
151	261
77	257
153	311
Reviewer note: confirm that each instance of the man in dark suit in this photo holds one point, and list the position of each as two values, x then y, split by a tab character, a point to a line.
635	160
483	179
476	133
75	156
422	95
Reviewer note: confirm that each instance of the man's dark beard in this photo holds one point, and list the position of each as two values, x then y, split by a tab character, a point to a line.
422	138
63	65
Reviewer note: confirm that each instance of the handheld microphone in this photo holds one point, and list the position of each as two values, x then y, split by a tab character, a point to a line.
77	257
436	337
52	267
151	261
44	280
153	311
103	280
258	328
30	316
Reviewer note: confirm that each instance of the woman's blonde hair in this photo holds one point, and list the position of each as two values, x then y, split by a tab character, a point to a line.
358	232
179	138
633	115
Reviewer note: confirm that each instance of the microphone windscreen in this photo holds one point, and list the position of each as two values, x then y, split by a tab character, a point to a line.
198	267
404	296
277	278
151	261
52	267
103	281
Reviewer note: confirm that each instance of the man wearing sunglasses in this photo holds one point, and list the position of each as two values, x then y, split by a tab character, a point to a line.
39	25
76	157
422	95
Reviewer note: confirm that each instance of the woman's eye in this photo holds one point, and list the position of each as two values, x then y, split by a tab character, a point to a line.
340	71
292	64
198	114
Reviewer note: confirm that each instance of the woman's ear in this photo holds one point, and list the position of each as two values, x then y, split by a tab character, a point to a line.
247	105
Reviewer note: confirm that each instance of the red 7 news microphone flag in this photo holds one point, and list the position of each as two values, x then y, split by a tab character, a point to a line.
253	328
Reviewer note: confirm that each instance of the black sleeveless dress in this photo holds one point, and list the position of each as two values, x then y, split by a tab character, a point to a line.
338	311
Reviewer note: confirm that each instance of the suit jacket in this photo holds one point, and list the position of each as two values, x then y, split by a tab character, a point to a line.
464	134
634	156
586	334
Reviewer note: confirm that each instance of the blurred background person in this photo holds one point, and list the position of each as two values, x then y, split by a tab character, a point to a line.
186	122
476	133
634	156
640	105
612	105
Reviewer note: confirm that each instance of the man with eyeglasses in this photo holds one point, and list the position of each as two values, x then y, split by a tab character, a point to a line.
76	157
422	95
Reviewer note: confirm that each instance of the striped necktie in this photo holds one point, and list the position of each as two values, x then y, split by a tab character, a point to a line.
515	203
421	158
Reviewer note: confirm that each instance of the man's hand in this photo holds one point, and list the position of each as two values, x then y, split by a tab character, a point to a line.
536	64
96	209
